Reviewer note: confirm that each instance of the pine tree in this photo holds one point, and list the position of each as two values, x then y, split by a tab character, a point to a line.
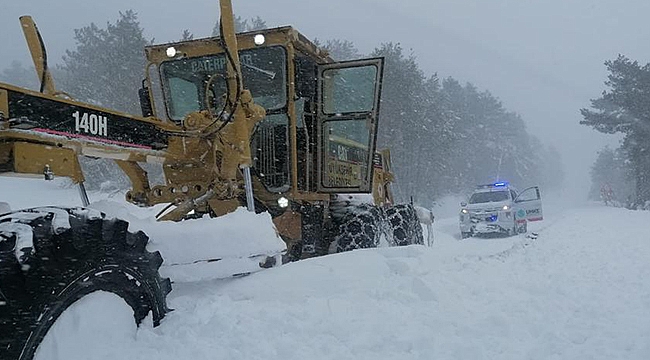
625	109
257	24
339	50
489	143
446	137
243	25
17	75
610	170
401	124
107	66
187	35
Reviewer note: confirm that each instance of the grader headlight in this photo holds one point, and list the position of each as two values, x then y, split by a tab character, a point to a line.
171	52
259	39
283	202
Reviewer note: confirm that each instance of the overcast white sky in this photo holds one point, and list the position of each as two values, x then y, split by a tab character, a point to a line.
542	58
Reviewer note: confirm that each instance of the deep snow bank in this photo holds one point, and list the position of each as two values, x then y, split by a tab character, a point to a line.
190	249
579	291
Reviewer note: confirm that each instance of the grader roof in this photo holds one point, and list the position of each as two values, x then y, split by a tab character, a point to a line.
285	35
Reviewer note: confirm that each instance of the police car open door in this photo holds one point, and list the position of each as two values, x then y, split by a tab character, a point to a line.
348	103
528	205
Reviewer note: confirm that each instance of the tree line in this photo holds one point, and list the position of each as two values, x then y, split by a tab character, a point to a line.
445	137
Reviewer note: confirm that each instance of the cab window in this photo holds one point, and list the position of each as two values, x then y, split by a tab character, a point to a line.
353	89
347	147
186	95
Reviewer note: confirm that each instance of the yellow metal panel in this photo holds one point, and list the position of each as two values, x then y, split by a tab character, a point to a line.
210	46
33	158
223	207
293	121
35	44
289	225
4	104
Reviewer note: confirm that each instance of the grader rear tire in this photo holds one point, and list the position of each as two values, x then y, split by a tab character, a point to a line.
52	257
404	225
359	227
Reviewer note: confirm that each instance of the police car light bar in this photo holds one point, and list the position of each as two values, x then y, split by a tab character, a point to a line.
493	185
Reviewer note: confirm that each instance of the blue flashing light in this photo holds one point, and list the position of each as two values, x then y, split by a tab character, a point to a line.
499	184
493	218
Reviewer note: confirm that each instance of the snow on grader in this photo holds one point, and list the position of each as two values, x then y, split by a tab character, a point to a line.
263	120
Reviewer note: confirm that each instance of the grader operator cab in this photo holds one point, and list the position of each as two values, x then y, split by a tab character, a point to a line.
316	140
262	119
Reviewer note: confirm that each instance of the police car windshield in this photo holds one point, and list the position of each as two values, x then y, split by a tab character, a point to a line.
488	196
185	80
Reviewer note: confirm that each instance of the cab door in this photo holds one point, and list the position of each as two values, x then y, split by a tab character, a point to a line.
347	107
528	205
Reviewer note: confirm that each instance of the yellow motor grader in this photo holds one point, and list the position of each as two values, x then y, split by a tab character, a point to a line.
262	119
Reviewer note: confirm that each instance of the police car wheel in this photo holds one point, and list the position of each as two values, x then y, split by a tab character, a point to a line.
523	228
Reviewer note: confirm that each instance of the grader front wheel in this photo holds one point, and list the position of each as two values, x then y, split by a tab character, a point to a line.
52	257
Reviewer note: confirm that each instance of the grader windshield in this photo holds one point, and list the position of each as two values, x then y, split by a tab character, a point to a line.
194	84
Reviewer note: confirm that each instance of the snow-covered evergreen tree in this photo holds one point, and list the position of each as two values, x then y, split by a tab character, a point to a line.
107	65
625	109
243	25
18	75
339	49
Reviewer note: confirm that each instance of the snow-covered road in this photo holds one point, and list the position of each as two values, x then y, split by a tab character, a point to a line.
578	291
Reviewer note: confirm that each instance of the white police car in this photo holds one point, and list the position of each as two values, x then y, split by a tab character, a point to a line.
498	208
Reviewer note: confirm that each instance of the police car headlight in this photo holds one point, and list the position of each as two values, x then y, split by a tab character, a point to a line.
283	202
506	207
464	211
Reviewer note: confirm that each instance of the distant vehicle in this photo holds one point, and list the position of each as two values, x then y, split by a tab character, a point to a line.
499	208
607	194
